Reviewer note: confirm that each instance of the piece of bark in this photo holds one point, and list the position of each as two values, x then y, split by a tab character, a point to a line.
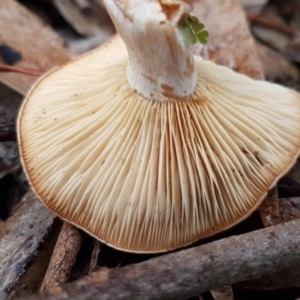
230	43
190	272
20	237
41	48
285	279
63	257
31	280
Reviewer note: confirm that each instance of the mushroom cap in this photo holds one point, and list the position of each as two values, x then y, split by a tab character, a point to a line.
149	176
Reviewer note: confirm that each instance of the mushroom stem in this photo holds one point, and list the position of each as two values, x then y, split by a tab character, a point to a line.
161	66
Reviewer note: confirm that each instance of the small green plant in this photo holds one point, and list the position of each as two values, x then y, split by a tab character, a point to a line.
192	30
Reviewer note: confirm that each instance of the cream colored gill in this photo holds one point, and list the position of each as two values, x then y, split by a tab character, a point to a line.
147	176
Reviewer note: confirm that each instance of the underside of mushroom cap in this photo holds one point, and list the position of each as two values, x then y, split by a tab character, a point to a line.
149	176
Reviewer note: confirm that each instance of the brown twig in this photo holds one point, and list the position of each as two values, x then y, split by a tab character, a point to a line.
269	209
63	257
273	25
94	258
190	272
7	130
27	71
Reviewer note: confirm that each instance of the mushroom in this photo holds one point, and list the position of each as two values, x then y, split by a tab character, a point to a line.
148	148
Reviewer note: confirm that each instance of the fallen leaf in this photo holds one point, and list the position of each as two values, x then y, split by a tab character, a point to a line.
41	48
270	36
276	67
230	43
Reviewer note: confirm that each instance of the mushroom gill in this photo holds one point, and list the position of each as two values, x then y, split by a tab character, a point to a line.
149	176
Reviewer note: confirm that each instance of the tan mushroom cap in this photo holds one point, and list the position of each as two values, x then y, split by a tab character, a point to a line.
149	176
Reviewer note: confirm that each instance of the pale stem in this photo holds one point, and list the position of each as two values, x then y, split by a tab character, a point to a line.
161	66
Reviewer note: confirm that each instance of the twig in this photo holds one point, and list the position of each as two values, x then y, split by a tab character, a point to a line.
273	25
27	71
190	272
94	258
269	209
63	257
7	130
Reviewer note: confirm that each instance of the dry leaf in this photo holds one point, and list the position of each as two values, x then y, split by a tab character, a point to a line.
275	66
230	43
40	47
269	36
